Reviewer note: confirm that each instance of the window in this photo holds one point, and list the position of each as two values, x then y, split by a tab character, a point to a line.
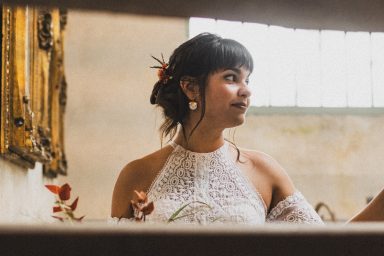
307	68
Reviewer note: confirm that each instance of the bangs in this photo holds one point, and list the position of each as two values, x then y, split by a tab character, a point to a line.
229	54
207	53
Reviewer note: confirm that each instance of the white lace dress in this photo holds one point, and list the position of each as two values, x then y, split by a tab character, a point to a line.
215	190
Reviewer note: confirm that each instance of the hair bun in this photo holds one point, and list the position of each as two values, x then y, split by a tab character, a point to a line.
155	92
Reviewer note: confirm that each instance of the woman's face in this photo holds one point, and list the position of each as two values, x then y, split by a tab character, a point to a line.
227	97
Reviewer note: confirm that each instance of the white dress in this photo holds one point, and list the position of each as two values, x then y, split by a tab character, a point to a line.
216	190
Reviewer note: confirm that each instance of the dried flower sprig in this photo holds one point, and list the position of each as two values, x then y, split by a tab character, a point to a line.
162	70
141	207
176	215
63	194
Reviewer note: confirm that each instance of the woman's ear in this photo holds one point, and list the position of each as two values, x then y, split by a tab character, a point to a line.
190	88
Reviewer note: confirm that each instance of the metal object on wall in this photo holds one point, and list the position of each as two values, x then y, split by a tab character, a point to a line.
328	210
31	86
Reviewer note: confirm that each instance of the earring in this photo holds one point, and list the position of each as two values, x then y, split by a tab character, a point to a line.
192	105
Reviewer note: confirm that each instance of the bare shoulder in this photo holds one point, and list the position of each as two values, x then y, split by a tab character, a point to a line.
266	164
274	176
136	175
140	170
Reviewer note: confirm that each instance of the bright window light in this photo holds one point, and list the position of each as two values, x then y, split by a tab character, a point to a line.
307	68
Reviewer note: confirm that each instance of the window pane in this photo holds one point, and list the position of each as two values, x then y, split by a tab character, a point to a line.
358	69
308	68
377	40
255	38
333	69
282	71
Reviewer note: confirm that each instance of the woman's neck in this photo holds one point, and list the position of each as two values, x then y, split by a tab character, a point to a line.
202	140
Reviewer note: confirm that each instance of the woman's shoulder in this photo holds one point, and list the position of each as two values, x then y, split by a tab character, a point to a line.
147	164
261	161
136	175
269	168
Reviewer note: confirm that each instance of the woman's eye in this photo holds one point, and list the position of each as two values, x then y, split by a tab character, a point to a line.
231	78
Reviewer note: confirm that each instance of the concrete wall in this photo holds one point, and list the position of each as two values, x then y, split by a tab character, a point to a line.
109	121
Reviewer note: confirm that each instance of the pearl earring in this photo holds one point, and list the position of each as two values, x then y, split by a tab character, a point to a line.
192	105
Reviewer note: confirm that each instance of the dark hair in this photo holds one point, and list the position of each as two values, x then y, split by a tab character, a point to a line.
198	58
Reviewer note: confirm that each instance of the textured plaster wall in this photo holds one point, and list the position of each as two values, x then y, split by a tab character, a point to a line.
23	197
336	159
109	121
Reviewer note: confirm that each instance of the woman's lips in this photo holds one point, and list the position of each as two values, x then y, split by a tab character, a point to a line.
240	106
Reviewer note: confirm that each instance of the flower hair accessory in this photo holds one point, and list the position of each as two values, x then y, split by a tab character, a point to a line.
162	70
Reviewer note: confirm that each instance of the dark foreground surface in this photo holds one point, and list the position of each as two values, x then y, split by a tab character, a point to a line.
145	239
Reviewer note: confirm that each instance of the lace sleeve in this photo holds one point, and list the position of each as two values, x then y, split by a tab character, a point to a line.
117	221
294	209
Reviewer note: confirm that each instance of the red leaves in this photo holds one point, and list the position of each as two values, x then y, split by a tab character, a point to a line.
142	207
53	188
74	204
142	197
59	218
64	193
57	209
148	209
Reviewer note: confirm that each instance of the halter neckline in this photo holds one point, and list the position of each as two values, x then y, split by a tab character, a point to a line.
222	147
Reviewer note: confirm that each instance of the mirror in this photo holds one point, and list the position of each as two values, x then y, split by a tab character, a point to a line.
334	159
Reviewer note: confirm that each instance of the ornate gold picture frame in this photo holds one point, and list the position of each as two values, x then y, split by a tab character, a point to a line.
33	88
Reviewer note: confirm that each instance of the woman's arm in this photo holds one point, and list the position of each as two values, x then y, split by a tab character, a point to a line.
374	211
137	175
122	194
131	178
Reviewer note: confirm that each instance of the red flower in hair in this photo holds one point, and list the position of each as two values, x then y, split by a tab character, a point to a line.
162	72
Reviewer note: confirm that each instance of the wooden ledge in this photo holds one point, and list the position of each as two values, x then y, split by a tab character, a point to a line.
146	239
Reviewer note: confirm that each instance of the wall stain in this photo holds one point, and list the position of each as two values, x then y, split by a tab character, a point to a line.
301	130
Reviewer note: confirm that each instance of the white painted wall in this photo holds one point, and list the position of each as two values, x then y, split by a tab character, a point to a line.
23	197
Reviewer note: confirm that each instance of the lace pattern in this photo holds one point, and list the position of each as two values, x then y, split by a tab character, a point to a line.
212	178
215	179
294	209
116	221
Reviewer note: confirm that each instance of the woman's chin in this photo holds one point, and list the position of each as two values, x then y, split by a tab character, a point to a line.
238	121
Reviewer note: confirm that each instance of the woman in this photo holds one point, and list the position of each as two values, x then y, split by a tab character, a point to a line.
203	91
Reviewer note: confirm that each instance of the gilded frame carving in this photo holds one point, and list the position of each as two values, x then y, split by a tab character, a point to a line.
33	88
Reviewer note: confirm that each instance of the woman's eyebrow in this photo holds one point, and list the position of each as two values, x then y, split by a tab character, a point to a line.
237	70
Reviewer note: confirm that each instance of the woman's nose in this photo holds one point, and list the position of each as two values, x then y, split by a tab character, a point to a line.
244	91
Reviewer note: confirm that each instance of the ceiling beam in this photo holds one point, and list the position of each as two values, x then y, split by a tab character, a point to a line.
347	15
